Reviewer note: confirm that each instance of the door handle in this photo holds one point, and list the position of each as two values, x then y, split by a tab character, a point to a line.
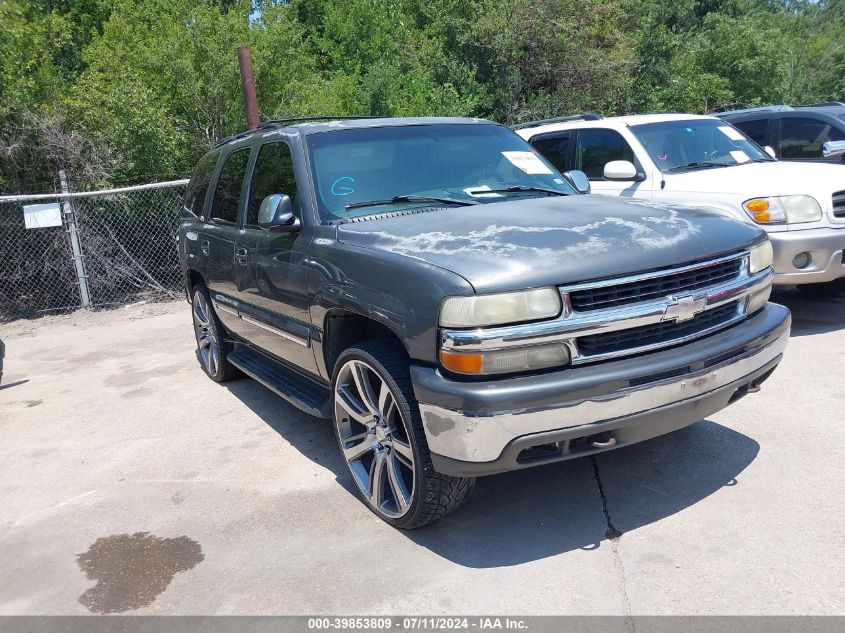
204	245
240	256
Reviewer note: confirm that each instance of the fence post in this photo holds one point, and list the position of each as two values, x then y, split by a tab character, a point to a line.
70	220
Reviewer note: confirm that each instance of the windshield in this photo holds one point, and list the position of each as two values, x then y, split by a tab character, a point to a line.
360	172
696	143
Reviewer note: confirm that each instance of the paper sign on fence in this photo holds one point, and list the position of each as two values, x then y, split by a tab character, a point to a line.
39	216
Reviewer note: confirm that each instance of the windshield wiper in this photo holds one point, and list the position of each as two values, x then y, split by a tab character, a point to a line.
697	165
520	189
412	199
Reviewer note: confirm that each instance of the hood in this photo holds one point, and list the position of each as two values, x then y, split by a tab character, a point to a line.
775	178
525	243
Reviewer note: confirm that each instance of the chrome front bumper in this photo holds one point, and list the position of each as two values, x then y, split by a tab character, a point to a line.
481	428
825	247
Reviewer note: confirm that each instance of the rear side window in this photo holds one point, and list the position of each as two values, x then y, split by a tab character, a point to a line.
755	130
803	138
273	174
596	148
227	195
555	147
200	179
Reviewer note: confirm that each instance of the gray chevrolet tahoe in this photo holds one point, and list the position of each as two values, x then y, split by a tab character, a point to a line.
457	308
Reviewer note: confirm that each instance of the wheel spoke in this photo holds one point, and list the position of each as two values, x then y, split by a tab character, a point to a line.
202	308
391	407
376	492
385	400
397	486
352	406
356	452
403	452
365	390
204	342
213	359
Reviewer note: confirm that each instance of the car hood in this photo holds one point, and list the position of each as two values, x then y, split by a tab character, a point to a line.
773	178
524	243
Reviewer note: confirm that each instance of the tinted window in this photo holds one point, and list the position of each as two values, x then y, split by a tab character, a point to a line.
460	162
200	179
228	191
596	148
554	148
273	174
755	130
803	138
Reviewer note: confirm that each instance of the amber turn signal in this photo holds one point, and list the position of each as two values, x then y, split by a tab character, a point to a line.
759	210
755	206
461	363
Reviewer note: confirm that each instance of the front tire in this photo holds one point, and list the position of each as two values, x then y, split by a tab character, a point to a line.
827	290
381	438
212	347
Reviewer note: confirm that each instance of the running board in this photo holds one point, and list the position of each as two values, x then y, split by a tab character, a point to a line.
302	392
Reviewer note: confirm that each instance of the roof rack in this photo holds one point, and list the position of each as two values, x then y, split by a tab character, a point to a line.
770	108
277	123
306	119
586	116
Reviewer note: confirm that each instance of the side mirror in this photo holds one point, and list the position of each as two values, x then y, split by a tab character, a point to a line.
770	151
276	214
620	170
832	149
579	180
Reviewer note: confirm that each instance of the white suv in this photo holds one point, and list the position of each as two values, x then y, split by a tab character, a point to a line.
705	162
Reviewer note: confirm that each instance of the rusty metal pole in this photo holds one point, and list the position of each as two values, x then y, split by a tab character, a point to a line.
248	82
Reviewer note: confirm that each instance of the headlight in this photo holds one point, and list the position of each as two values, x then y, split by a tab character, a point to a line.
780	209
761	257
498	309
505	361
801	209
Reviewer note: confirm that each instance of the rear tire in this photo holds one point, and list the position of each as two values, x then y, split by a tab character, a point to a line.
212	347
823	291
381	438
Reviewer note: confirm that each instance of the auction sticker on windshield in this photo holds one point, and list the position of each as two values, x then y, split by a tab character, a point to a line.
527	162
731	133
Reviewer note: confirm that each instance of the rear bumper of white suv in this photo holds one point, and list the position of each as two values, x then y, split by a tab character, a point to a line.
824	249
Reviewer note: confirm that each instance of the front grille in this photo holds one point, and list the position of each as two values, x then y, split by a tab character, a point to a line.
839	204
654	287
665	332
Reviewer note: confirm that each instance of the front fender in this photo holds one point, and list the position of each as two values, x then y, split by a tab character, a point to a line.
399	292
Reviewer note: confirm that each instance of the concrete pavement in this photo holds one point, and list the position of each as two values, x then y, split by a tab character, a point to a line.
130	483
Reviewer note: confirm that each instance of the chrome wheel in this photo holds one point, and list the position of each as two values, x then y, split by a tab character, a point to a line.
207	341
374	438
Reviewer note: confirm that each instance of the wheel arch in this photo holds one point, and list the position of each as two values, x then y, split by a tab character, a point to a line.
192	278
344	328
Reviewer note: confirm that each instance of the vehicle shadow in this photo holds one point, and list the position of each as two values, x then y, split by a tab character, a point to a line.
812	316
531	514
311	436
526	515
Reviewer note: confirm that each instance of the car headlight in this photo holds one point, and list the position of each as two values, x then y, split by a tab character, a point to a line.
801	209
761	257
504	361
783	209
502	308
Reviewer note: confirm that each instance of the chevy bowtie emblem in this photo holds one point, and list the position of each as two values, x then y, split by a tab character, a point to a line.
683	308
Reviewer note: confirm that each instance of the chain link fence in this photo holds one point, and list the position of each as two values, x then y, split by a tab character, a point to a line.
93	249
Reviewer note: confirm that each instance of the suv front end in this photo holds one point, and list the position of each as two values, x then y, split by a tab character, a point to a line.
623	360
